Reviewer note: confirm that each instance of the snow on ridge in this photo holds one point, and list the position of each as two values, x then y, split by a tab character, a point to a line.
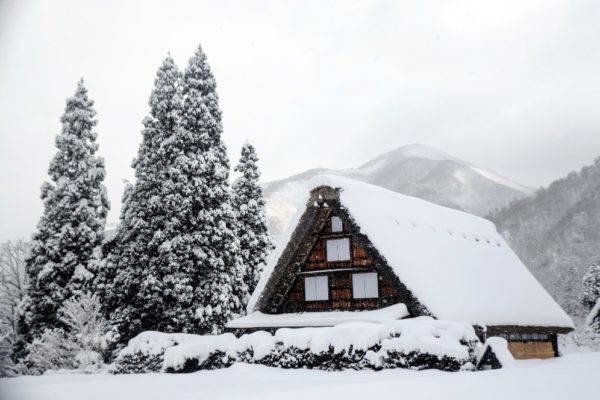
257	319
502	180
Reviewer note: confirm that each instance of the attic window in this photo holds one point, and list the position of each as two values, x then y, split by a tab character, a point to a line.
364	286
336	224
316	288
338	249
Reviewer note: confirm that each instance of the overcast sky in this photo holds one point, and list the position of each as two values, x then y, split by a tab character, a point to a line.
512	86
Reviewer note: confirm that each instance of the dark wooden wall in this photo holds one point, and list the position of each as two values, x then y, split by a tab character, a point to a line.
340	278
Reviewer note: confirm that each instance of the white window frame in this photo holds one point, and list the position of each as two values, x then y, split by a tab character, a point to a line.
365	285
336	224
316	288
338	249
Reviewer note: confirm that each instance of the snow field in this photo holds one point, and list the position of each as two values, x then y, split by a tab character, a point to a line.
573	376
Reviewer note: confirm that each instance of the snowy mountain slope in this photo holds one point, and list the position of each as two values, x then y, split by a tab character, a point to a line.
556	233
415	170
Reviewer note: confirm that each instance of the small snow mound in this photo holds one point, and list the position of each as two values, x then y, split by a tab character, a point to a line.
499	346
155	343
199	348
257	319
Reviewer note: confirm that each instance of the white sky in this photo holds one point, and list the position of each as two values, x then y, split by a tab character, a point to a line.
510	85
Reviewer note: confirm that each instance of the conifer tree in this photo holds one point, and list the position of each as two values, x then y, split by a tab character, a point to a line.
62	258
129	285
591	286
249	205
215	249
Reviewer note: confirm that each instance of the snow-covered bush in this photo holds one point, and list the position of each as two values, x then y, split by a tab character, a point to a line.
7	365
200	353
145	352
79	348
586	337
89	361
52	350
87	326
417	343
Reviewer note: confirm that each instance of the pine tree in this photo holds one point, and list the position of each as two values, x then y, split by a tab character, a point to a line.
591	286
70	231
215	249
248	202
129	286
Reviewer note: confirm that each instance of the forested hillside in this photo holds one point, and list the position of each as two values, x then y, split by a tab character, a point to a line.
556	232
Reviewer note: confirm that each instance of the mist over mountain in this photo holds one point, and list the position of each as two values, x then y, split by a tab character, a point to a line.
416	170
556	233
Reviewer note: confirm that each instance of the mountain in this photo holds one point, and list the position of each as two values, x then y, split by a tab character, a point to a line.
556	232
415	170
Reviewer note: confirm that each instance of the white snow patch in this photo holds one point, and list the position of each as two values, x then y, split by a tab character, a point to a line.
155	343
500	348
198	347
257	319
502	180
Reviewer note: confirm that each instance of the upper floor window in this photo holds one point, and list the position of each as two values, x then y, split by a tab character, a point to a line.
316	288
336	224
365	286
338	249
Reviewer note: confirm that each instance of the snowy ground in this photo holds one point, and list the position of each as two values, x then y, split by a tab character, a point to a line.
574	377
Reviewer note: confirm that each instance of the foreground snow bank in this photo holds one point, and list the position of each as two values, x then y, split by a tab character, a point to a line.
574	376
416	343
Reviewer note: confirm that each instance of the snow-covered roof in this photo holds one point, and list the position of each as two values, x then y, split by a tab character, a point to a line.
455	263
257	319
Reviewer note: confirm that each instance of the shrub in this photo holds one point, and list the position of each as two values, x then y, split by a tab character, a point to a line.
415	344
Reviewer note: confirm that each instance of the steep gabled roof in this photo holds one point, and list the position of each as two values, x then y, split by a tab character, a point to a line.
456	264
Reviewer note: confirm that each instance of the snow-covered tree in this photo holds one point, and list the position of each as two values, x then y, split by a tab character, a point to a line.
79	346
51	350
204	165
13	290
70	231
591	286
13	283
131	289
174	264
249	205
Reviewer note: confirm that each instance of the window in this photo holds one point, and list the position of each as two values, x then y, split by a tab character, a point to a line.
364	286
336	224
316	288
338	249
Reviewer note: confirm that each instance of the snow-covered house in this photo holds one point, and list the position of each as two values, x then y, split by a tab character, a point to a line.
358	252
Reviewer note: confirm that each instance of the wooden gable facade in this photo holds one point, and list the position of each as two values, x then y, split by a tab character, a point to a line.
330	265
